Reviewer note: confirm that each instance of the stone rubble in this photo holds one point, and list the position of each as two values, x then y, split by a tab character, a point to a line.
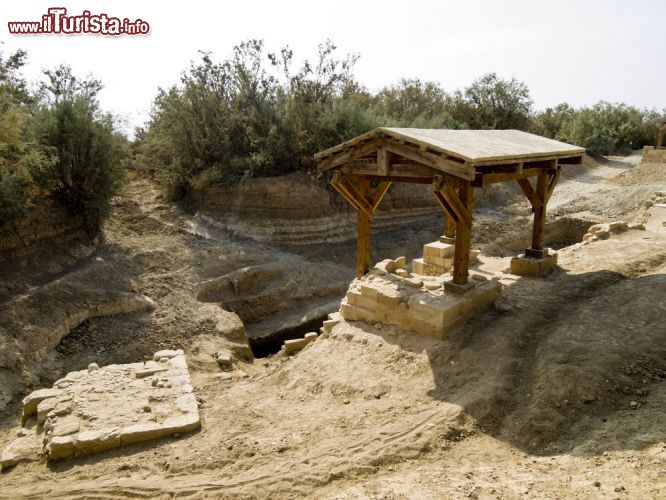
294	345
102	408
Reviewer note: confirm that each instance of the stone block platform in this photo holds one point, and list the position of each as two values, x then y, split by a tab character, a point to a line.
414	302
438	259
98	409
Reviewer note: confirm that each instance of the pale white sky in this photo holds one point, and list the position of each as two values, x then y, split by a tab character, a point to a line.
578	51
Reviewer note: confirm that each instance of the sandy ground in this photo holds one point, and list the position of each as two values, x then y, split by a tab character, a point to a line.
558	391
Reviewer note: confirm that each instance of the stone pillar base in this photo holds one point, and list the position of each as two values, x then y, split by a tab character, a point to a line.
533	265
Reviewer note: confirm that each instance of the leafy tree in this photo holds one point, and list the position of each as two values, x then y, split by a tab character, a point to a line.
20	157
62	84
554	122
604	128
249	116
413	103
607	128
322	103
89	163
493	103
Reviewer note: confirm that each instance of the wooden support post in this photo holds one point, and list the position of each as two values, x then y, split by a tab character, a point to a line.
359	195
363	236
540	211
545	185
450	227
660	137
463	234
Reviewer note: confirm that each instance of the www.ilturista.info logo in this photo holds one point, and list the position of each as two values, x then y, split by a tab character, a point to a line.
56	21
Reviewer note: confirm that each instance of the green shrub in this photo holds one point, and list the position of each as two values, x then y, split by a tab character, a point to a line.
89	158
604	128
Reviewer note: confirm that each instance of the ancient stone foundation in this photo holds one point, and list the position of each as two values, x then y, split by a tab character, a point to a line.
99	409
391	295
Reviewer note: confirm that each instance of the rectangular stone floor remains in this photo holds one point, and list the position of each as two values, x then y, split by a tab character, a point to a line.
98	409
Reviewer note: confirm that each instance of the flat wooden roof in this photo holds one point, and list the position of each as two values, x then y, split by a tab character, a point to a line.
471	146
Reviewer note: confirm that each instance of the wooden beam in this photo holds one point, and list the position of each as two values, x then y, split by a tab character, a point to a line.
448	211
463	233
577	160
526	186
450	227
565	156
335	182
379	193
552	182
454	200
394	170
347	190
391	178
363	235
383	160
365	202
450	217
483	179
461	170
347	156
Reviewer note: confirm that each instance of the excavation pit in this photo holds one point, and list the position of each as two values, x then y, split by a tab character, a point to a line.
267	345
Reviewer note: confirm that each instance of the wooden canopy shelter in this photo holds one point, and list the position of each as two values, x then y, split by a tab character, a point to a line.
453	162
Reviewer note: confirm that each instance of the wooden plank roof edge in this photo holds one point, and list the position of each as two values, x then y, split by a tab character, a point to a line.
421	144
381	132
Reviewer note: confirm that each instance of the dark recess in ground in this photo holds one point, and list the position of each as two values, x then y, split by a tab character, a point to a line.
270	344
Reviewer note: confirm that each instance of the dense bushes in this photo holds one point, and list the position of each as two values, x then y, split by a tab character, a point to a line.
251	115
56	147
603	128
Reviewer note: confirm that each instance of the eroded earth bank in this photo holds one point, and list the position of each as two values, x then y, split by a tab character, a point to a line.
556	391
